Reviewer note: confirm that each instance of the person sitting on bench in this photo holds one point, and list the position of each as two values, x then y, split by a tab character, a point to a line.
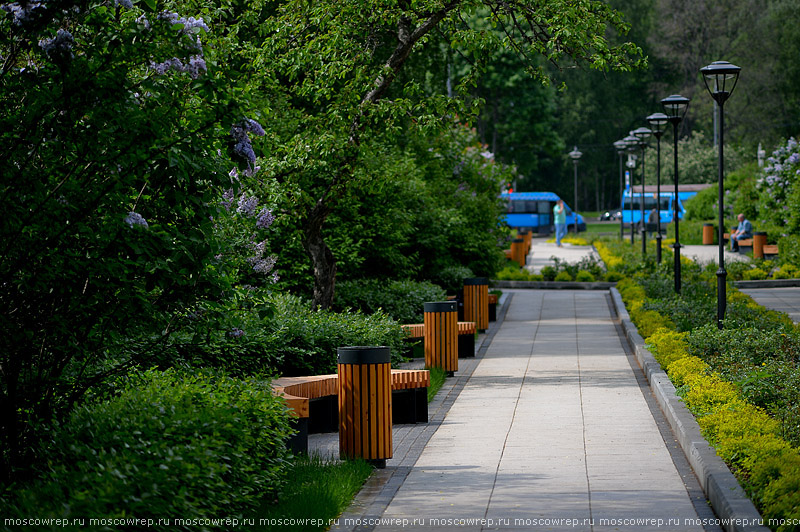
743	232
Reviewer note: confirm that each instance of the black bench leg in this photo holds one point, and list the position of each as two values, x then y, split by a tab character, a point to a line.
466	345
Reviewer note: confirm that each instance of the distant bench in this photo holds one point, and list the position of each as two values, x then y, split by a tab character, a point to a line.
313	402
745	244
770	250
466	336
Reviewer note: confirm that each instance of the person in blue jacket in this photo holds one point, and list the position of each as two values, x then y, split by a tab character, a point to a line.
560	221
743	232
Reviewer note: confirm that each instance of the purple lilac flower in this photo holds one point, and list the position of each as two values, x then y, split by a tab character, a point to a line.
251	126
143	21
247	205
59	46
189	24
793	158
236	332
134	218
791	143
194	67
243	147
24	12
124	3
275	277
265	218
227	199
262	265
245	150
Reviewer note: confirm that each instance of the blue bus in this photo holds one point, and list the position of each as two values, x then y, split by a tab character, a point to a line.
533	211
632	206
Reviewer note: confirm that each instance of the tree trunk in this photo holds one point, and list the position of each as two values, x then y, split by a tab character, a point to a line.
322	259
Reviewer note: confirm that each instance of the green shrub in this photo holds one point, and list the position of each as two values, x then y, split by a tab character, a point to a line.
631	292
754	274
563	277
584	276
787	271
451	278
170	444
703	206
789	250
613	276
649	321
304	342
512	272
549	273
668	346
402	300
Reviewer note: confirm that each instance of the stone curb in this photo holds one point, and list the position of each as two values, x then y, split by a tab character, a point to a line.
723	491
552	285
768	283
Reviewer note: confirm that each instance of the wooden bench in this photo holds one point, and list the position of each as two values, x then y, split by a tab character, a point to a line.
770	250
466	336
745	245
313	402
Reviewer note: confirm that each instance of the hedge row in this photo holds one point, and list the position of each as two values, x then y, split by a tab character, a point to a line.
741	382
744	435
170	444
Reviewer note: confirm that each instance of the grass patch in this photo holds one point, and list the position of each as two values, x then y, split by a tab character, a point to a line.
317	489
438	376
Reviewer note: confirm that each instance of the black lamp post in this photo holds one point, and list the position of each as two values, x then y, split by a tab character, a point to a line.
643	135
632	143
658	122
720	78
675	107
621	147
575	155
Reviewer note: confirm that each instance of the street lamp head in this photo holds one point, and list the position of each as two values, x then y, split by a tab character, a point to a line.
620	146
675	107
575	154
720	78
658	122
631	142
642	134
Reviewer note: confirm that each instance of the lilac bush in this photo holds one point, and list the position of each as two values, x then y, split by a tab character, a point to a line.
778	186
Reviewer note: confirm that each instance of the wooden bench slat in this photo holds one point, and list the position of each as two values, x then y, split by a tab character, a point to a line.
298	391
770	249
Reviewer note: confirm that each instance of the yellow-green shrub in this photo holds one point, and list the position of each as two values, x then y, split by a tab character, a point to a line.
686	368
631	292
584	276
781	499
668	346
611	261
649	321
787	271
705	393
756	274
563	277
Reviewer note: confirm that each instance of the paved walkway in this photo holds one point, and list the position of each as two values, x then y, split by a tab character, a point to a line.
553	428
785	299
